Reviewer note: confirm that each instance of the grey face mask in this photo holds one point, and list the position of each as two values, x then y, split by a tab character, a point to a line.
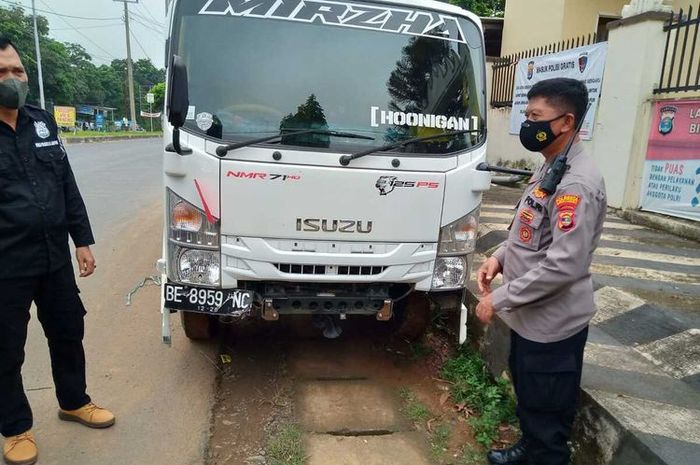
13	93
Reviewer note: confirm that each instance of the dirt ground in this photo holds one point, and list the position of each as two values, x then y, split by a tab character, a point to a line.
344	394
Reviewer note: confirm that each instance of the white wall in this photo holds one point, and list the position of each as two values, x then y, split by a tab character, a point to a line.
503	147
632	69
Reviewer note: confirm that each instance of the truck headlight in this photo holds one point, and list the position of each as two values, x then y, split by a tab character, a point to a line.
194	254
189	225
185	217
459	238
199	267
450	273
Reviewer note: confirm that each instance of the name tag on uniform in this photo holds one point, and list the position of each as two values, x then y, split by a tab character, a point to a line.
50	143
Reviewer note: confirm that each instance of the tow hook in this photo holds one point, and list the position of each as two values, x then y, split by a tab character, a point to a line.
268	311
386	312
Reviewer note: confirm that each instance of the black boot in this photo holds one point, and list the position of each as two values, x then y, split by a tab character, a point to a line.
514	455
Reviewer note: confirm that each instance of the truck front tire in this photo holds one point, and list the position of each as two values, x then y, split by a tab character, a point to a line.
412	316
197	326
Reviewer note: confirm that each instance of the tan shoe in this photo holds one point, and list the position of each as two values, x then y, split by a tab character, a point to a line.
20	449
89	415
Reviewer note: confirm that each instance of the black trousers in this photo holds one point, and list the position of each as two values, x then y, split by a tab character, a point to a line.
547	378
61	313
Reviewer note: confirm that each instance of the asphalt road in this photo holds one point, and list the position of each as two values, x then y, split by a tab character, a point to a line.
119	180
161	395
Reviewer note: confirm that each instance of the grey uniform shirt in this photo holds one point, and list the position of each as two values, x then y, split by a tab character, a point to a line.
547	295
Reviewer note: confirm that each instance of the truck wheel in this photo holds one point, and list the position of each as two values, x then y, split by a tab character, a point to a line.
197	326
412	316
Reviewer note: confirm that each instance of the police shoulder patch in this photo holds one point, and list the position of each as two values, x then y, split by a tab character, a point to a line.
525	234
566	207
527	216
539	193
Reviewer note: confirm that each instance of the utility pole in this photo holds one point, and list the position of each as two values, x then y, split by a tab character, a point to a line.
129	64
38	59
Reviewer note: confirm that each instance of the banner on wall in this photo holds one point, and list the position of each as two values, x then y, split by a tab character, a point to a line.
65	116
586	64
671	183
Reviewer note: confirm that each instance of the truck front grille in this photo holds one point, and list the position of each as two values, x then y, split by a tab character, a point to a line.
288	268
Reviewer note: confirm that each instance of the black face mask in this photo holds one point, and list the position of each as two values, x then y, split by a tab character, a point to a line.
537	135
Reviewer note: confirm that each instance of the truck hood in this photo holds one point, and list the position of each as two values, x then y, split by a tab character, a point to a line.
305	202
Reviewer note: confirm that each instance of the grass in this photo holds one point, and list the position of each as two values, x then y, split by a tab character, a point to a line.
286	447
412	407
471	456
419	413
439	441
473	386
95	134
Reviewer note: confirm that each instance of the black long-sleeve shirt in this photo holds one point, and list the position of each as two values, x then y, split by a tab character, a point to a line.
40	204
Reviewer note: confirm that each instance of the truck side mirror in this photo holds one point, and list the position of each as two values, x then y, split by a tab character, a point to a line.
178	103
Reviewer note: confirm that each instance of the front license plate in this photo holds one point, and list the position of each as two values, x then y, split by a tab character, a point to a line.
212	301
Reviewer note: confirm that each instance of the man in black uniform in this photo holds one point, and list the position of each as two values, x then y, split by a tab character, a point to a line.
40	205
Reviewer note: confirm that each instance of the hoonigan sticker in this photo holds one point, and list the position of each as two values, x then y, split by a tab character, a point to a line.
346	14
381	117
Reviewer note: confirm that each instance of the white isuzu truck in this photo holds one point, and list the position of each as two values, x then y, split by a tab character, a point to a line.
321	158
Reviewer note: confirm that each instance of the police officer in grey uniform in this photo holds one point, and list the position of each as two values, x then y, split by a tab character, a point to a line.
547	295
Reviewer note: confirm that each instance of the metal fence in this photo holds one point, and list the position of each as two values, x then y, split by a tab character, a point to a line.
680	71
503	78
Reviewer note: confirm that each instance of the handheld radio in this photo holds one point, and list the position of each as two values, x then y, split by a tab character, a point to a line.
555	173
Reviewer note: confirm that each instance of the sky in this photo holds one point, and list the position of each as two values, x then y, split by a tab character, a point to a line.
103	34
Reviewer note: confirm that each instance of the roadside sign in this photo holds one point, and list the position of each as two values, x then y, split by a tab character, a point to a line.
65	116
85	110
100	120
150	98
146	114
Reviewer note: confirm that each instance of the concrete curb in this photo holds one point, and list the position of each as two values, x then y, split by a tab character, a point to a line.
683	228
85	140
604	434
601	439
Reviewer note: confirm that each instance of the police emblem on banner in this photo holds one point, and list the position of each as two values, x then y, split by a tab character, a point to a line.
667	113
530	70
41	129
583	62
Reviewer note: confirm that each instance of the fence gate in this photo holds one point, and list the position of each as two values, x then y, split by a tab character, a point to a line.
680	71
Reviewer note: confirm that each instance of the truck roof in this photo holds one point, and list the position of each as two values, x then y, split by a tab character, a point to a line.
437	5
440	6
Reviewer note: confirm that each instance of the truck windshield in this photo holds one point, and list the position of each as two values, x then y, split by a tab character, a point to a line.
258	67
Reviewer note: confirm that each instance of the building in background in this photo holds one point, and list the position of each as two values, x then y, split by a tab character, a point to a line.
533	23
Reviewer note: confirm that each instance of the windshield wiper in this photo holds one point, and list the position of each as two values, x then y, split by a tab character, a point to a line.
224	149
346	159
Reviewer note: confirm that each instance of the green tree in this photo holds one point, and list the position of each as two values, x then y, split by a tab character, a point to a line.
145	76
486	8
70	76
158	92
